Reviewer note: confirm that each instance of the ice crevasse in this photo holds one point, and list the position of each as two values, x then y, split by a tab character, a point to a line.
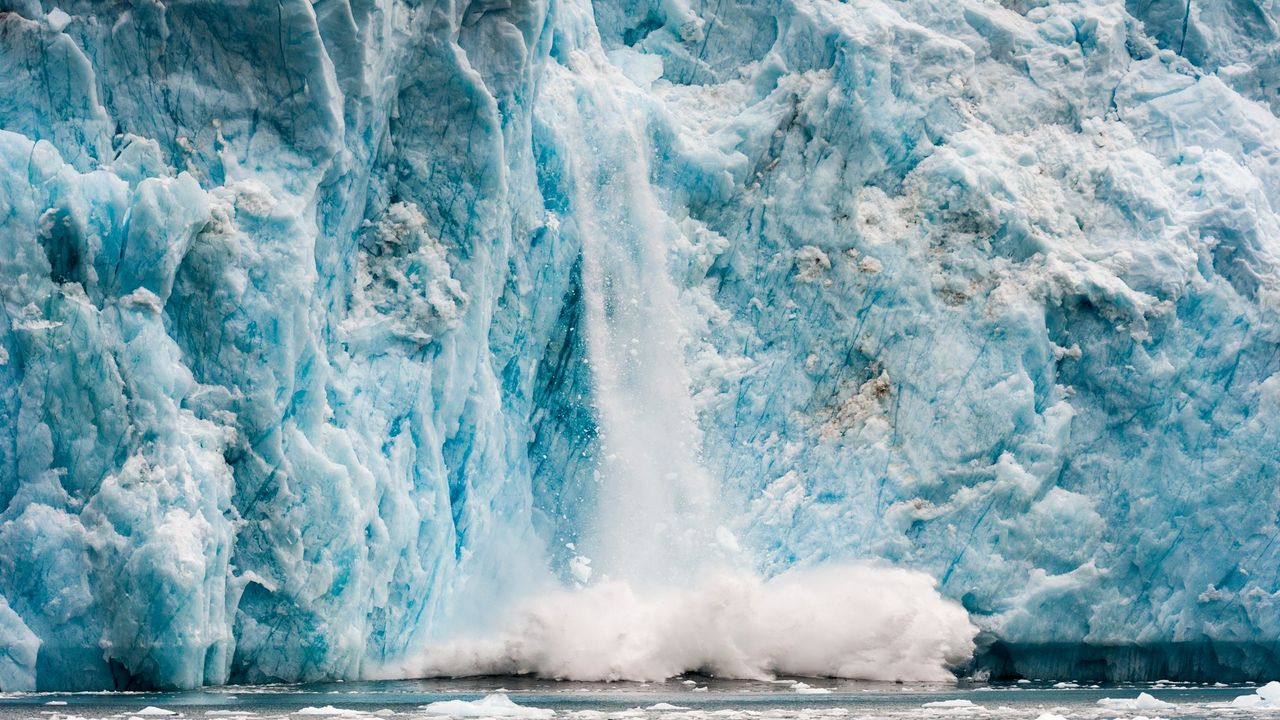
330	330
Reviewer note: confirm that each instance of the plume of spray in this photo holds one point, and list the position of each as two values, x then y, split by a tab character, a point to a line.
670	591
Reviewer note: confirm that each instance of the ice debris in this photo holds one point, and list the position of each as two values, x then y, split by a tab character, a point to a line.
494	705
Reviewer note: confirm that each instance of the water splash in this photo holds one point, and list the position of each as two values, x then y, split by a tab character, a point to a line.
841	620
667	590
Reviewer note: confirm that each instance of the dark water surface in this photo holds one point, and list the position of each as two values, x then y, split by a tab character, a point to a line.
697	698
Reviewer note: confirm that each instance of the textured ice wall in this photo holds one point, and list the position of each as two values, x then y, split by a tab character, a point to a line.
267	381
292	369
1030	266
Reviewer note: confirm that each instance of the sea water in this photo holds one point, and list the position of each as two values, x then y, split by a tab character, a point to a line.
681	698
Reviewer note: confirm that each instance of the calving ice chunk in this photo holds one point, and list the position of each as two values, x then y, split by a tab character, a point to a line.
343	340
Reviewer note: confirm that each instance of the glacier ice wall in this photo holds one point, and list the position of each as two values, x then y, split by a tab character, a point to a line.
295	363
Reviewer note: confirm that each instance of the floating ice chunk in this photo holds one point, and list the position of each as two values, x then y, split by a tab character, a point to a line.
958	703
666	706
807	689
1266	697
330	711
1144	701
1246	701
56	702
1065	685
153	710
496	705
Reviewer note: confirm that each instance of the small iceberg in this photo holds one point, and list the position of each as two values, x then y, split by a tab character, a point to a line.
1266	697
1144	701
950	704
496	705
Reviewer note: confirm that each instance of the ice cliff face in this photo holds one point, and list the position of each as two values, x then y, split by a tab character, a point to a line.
301	303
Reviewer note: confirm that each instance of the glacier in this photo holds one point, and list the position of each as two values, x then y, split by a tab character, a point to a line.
334	329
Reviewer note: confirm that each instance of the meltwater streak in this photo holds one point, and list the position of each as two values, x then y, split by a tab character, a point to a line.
670	591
